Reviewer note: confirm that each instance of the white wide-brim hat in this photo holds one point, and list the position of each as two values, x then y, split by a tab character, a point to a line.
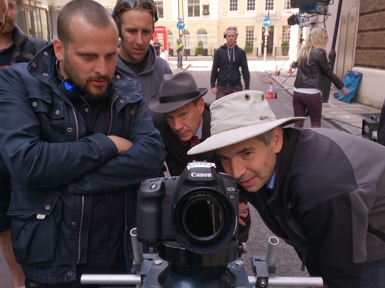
238	117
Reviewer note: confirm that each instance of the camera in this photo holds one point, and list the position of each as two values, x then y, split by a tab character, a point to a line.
198	210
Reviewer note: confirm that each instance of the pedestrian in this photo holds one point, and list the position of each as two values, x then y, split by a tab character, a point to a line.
313	66
15	47
136	56
321	190
3	14
157	45
183	121
179	50
228	59
77	139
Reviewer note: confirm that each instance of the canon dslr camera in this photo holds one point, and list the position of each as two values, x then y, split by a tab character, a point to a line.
198	209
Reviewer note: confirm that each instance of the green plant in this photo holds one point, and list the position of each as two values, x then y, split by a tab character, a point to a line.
248	48
285	48
199	50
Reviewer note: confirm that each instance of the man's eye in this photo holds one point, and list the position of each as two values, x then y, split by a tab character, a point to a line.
87	55
111	55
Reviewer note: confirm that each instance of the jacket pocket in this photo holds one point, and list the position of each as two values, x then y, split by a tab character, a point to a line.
51	118
35	227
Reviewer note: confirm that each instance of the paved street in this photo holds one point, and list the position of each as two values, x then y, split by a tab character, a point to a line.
287	262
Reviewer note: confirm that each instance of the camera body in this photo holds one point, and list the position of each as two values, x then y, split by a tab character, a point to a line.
198	209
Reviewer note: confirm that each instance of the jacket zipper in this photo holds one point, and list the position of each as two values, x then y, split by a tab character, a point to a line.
112	106
82	210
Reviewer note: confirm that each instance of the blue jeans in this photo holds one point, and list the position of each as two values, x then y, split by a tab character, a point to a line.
374	275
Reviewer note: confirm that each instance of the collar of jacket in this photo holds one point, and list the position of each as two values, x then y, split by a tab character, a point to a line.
150	64
18	36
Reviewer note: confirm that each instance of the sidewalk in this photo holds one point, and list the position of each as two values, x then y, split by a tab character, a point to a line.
347	117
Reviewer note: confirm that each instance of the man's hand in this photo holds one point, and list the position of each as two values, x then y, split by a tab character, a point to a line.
214	90
344	91
122	144
243	212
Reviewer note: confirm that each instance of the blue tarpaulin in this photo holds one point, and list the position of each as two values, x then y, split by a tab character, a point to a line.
351	81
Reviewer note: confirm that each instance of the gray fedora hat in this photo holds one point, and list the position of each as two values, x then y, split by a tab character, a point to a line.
176	91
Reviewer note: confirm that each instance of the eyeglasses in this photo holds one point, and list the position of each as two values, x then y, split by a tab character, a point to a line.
147	5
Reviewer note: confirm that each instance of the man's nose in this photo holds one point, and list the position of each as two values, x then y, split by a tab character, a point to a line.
237	169
178	124
101	67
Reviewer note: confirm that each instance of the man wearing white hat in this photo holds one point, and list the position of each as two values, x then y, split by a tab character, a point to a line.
322	191
183	121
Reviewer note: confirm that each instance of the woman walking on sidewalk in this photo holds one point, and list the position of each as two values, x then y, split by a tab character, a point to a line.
313	66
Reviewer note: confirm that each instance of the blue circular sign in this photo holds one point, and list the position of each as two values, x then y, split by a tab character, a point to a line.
266	22
180	25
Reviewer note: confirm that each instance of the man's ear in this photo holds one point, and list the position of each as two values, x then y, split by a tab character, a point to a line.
201	105
277	140
58	47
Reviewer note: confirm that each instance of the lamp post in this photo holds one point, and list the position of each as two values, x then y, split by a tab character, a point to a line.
332	55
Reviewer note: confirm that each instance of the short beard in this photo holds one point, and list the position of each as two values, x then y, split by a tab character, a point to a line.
81	84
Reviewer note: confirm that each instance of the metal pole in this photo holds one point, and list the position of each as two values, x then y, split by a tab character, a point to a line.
135	279
271	254
332	55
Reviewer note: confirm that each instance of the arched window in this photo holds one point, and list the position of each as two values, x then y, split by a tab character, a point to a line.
202	36
170	39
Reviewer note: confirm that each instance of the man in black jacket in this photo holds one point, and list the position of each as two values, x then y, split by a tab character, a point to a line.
225	75
15	46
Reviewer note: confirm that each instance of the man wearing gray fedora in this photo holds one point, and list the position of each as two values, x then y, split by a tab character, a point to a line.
183	121
322	191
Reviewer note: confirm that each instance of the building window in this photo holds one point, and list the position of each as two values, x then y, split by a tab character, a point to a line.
159	8
250	6
170	39
202	36
186	38
250	35
285	33
269	4
233	5
286	5
193	8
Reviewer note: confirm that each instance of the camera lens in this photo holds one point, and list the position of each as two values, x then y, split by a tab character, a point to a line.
202	217
204	221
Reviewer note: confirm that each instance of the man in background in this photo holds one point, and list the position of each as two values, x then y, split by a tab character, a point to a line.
136	56
15	46
225	74
179	50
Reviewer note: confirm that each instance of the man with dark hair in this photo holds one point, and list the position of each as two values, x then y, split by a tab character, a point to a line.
77	139
136	56
321	190
225	75
15	46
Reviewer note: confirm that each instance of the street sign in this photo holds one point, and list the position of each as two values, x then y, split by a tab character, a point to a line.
266	22
180	25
